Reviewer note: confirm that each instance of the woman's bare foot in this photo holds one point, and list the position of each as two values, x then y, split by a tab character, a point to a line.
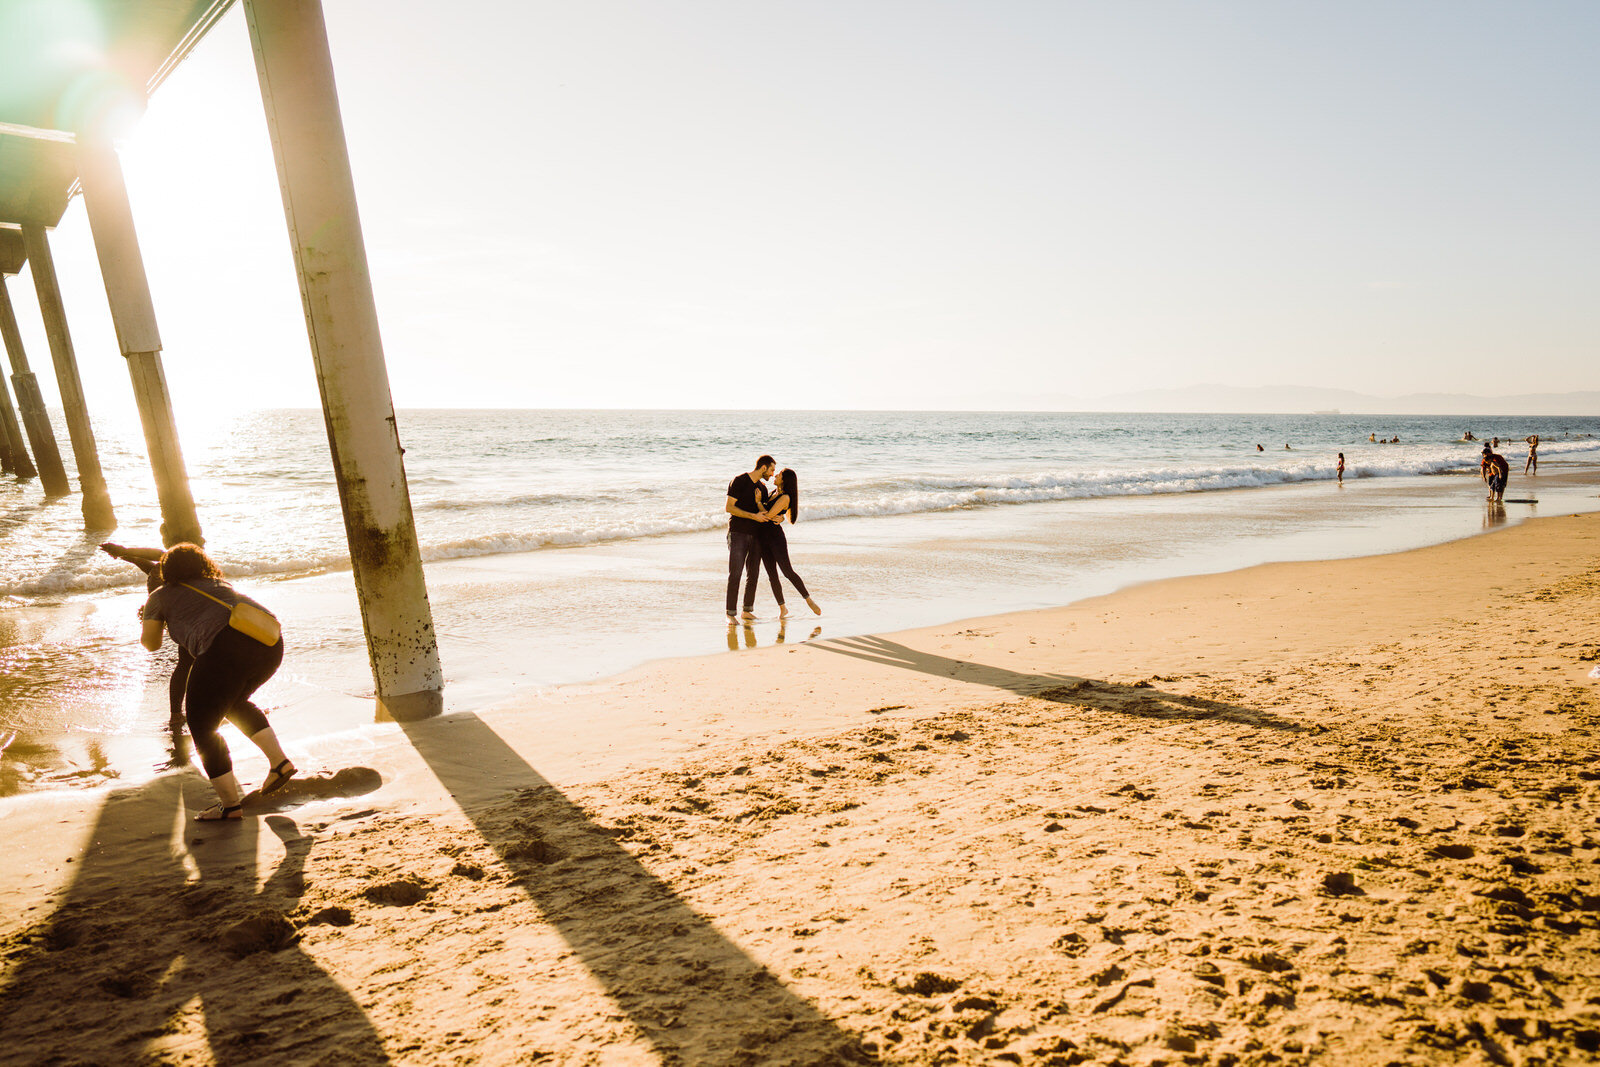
747	614
812	604
783	611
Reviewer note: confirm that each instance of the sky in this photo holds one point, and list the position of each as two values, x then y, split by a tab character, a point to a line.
795	204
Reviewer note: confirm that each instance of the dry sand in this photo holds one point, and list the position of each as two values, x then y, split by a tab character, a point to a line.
1334	812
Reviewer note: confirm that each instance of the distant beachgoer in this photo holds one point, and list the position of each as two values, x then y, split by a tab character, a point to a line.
744	534
1495	443
199	607
1286	447
784	506
148	560
1373	437
1468	436
1260	449
1496	472
1341	468
1533	456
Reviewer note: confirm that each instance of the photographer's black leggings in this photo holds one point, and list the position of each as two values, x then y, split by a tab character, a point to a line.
775	557
220	684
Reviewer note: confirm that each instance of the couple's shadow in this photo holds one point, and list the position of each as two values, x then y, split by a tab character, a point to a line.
157	951
1139	699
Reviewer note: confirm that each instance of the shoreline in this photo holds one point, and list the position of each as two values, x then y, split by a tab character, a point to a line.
1168	820
889	576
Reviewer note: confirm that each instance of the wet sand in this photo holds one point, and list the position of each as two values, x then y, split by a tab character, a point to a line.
1341	812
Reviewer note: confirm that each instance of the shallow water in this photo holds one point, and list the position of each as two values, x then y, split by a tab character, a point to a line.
82	701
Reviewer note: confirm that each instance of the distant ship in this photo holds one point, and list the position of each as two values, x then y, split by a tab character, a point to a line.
1329	411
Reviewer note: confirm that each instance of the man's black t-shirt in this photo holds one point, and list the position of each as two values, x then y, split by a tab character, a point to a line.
744	490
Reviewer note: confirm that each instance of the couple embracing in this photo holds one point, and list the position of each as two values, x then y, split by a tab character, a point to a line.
756	537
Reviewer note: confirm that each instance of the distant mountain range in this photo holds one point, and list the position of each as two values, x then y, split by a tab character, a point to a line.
1294	399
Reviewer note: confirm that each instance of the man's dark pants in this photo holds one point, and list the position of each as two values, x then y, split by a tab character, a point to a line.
744	554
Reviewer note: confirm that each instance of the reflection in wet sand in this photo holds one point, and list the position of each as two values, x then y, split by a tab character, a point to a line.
747	633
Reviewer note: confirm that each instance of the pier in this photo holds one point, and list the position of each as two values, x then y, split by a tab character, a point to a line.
69	89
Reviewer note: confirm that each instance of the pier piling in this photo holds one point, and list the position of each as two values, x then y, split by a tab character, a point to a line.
30	403
105	197
16	452
97	513
295	69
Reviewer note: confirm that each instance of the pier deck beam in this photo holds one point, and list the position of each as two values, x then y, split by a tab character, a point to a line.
295	69
30	402
97	513
116	243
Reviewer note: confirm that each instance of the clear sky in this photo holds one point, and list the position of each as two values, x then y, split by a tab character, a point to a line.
888	203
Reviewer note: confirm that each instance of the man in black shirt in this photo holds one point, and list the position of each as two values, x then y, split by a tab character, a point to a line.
744	546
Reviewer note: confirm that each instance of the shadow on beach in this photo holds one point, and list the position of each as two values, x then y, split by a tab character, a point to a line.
693	994
161	952
164	949
1140	700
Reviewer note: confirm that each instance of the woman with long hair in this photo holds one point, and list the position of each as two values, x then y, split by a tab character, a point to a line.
230	664
784	506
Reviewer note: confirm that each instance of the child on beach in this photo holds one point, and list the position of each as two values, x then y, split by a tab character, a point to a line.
229	665
1496	471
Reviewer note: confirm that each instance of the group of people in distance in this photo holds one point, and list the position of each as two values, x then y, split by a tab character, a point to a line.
756	515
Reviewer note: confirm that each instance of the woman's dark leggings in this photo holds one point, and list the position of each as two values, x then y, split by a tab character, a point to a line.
775	557
179	682
220	684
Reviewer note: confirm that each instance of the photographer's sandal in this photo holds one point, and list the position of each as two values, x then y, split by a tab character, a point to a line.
277	778
221	813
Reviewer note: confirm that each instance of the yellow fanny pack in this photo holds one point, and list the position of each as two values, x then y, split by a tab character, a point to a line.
256	623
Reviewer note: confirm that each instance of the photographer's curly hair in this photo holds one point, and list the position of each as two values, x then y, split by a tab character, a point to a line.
184	562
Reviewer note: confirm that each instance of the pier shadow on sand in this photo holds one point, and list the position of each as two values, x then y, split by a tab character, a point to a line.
1139	700
697	997
161	951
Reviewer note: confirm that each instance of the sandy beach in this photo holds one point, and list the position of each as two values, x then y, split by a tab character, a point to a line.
1338	812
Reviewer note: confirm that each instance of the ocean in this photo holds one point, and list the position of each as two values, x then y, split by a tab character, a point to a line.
567	546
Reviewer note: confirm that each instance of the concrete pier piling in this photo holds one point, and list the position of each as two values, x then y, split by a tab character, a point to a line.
133	314
297	87
97	513
30	403
17	460
16	452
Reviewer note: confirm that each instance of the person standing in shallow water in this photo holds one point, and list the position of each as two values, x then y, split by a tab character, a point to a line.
784	506
1341	468
196	604
1496	472
746	515
1533	456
